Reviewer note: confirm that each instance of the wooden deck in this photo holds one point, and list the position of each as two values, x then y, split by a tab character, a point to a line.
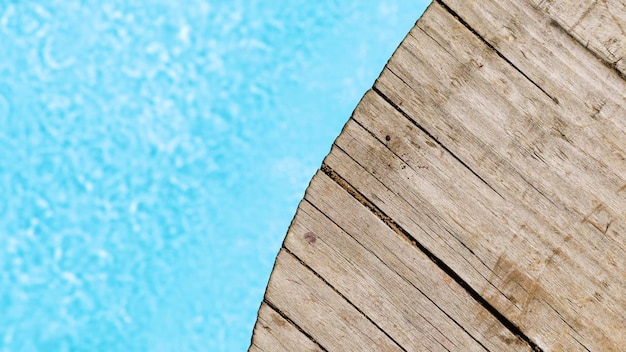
476	199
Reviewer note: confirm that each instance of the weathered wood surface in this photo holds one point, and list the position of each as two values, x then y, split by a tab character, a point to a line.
279	335
476	199
597	24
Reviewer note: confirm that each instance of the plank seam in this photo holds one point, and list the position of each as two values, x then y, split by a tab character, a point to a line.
611	65
569	325
440	263
284	316
342	296
271	332
444	228
405	280
255	346
462	21
569	32
398	109
407	163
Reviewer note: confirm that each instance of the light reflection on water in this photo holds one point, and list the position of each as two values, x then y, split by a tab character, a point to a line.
152	155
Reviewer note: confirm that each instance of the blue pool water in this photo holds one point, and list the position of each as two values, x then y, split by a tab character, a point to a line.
152	155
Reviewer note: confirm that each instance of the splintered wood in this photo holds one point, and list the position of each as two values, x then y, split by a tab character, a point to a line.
476	199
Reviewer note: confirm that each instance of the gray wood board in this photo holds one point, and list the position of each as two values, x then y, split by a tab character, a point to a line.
475	200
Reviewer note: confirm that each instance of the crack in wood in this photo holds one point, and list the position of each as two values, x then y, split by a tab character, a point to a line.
460	19
401	276
440	263
287	318
342	296
395	106
612	65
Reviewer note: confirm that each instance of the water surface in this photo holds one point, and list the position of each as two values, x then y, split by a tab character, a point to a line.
153	153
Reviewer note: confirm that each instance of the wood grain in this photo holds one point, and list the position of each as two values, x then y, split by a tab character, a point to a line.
274	333
599	25
432	312
476	199
320	311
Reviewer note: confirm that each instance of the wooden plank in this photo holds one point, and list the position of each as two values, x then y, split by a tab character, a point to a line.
586	94
397	307
460	130
405	146
255	348
383	164
603	28
598	25
568	12
416	211
477	193
388	278
588	140
524	115
320	311
596	146
543	165
273	333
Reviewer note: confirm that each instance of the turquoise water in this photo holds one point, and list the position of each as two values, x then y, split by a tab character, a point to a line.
152	155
